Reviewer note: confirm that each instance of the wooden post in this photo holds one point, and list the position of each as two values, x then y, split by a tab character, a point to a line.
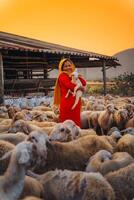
1	81
104	76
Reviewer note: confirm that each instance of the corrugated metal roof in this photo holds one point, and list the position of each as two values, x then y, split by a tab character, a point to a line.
14	42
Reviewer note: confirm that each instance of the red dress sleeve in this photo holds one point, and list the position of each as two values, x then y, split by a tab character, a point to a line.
83	81
65	81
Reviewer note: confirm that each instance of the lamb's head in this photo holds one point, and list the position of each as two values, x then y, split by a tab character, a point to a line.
102	155
26	153
39	139
60	133
19	126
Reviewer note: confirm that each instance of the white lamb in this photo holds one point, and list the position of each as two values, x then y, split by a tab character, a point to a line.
77	92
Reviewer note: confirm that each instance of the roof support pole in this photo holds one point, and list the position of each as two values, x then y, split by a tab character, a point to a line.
104	76
1	81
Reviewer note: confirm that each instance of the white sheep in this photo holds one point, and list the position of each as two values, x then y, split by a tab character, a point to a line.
12	182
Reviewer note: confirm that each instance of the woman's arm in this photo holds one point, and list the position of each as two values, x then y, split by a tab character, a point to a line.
83	81
66	82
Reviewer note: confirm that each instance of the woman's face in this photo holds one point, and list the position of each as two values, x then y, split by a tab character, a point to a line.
67	67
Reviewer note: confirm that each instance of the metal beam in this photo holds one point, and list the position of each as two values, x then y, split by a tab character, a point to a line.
1	81
104	76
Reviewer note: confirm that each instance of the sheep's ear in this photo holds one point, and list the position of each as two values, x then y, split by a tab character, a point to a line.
24	157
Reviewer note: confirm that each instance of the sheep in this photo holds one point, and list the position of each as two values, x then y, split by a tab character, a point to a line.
112	139
84	115
65	131
104	162
32	198
42	108
105	119
130	109
13	138
129	130
93	120
121	118
72	155
22	126
12	110
130	123
12	182
126	143
4	148
65	185
122	181
32	187
97	160
3	112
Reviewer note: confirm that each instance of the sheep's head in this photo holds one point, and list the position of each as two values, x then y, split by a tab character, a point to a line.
25	153
102	155
116	135
129	130
70	124
61	133
39	139
19	126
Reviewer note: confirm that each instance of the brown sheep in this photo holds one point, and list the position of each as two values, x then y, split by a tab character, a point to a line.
105	118
4	148
22	126
32	187
13	138
121	118
104	162
130	123
65	185
32	198
72	155
84	119
112	139
24	156
122	181
126	143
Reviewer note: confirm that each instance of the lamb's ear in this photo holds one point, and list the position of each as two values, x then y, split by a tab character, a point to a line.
23	157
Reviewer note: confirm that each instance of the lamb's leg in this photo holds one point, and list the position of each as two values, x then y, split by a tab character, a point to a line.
67	94
78	96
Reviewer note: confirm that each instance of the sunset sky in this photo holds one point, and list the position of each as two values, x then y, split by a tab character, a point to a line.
101	26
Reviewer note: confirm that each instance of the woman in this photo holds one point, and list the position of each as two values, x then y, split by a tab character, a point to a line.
63	84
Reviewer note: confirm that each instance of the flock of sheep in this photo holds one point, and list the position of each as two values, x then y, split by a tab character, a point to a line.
41	158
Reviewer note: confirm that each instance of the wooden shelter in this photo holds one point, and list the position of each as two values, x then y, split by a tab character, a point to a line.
25	63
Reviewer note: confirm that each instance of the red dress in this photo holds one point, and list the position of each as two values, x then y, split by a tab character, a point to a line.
66	103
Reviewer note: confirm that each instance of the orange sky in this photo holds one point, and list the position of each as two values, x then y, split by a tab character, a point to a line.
101	26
